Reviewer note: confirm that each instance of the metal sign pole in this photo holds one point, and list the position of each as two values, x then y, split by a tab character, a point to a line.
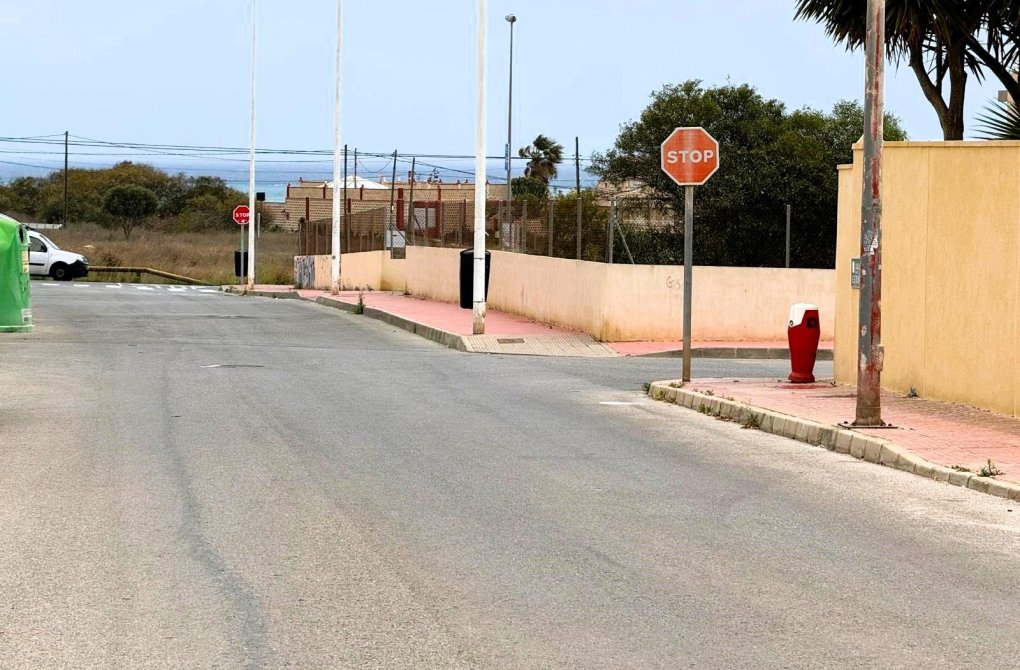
688	272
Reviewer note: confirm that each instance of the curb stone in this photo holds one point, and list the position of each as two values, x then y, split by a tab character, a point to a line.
447	339
735	353
442	337
834	438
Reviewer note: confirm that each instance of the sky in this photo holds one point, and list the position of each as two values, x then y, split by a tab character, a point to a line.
179	72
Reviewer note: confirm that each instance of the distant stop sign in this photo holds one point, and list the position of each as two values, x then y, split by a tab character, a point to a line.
242	215
690	156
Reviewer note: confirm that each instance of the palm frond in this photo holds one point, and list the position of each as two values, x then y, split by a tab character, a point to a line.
1000	121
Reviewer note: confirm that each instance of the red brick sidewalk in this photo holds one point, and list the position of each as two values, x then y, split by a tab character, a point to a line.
942	433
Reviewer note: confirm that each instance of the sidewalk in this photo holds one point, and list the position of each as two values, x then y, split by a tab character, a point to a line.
510	334
928	438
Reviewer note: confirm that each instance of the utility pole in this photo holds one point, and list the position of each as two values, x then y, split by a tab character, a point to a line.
870	354
66	135
393	189
577	172
334	287
251	161
478	283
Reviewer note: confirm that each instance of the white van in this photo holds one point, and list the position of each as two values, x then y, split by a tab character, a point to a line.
46	259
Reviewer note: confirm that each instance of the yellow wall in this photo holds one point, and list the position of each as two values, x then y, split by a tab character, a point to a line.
633	302
368	269
949	271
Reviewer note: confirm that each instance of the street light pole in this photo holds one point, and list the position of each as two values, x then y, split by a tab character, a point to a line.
511	19
251	162
478	283
334	287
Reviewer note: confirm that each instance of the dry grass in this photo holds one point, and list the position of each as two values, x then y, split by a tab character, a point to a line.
206	256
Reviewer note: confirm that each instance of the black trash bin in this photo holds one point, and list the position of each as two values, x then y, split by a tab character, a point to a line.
240	263
467	277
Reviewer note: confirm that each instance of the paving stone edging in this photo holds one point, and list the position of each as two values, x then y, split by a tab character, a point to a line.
866	447
735	353
447	339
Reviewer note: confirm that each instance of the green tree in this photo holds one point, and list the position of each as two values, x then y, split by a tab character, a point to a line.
544	156
942	43
769	158
129	205
529	188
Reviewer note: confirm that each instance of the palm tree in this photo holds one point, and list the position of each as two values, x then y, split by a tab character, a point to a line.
543	156
942	41
1000	121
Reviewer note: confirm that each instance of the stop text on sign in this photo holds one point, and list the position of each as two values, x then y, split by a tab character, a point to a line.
694	156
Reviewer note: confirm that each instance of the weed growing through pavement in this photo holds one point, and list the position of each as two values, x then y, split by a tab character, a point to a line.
676	385
752	421
990	470
646	386
360	307
960	468
703	408
913	393
709	392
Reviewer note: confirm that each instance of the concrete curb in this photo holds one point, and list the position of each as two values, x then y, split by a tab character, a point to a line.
450	340
834	438
287	295
749	353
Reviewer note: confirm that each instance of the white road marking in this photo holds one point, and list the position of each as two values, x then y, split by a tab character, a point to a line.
114	286
145	288
210	366
616	403
207	290
80	285
43	283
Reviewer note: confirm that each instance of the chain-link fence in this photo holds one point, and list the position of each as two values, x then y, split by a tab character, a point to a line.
561	227
627	231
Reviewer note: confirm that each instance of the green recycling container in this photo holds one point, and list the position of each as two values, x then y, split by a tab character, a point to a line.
15	296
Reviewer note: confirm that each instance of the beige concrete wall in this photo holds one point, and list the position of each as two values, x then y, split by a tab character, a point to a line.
634	302
432	273
950	279
394	277
370	270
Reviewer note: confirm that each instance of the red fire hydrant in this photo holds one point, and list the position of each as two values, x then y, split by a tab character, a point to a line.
803	335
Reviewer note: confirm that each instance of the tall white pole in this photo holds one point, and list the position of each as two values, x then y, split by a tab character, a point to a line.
337	189
251	163
478	289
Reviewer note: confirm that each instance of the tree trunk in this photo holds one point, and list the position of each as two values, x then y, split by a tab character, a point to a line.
952	127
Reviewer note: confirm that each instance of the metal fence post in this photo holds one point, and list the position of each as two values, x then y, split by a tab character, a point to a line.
524	226
550	205
611	222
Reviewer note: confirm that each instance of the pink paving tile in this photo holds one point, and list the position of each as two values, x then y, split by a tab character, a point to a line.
942	433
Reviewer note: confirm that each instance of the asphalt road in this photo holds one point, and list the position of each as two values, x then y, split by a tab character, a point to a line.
193	480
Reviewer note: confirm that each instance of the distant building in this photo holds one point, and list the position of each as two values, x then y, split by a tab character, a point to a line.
313	200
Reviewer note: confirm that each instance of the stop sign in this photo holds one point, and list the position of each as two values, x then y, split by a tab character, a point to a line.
690	156
242	215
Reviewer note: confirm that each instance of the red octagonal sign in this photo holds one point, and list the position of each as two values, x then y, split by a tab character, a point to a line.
690	156
242	215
